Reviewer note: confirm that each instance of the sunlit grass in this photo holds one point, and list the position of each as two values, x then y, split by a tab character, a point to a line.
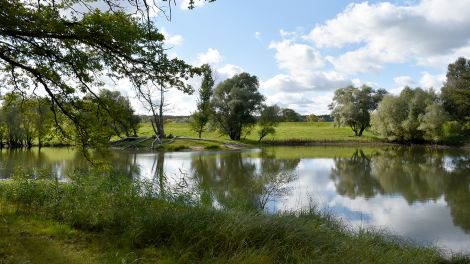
318	131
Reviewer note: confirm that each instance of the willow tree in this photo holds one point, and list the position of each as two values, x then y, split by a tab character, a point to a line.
236	101
70	48
352	106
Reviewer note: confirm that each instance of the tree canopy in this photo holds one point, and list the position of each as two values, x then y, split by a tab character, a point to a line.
235	102
456	90
352	106
414	115
70	48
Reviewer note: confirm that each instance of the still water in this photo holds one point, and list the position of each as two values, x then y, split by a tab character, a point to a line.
420	194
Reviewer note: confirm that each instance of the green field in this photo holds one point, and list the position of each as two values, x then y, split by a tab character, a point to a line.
286	131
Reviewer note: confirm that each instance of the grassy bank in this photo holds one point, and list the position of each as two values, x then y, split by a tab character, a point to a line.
110	220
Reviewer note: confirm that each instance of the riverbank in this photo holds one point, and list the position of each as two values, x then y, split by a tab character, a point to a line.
287	134
76	222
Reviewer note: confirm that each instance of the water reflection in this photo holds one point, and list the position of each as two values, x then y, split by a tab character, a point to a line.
416	174
236	181
423	194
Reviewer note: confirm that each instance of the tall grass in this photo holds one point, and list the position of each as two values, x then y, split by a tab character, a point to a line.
138	214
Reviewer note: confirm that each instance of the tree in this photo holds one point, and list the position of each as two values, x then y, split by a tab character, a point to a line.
235	102
352	106
67	48
119	110
456	91
201	117
432	123
313	118
290	115
407	117
268	120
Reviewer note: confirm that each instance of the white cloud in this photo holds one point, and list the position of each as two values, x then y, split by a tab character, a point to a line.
432	81
228	71
304	103
388	33
211	56
297	59
316	81
400	83
172	40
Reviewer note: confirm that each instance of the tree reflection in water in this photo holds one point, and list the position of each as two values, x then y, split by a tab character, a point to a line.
236	181
418	174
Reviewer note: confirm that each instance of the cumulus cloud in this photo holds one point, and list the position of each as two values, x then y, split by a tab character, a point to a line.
387	33
432	81
304	103
211	56
228	71
316	81
172	40
297	59
303	65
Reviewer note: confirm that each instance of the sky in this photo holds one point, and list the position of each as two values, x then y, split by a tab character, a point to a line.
302	51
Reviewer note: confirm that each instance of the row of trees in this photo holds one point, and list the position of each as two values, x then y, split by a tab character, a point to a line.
27	120
415	115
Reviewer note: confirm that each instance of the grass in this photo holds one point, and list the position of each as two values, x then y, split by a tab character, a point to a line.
109	219
319	131
287	133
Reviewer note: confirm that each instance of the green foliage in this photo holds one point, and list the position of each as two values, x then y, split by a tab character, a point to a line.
432	123
313	118
456	91
235	102
289	115
414	115
269	118
49	45
201	117
352	106
24	119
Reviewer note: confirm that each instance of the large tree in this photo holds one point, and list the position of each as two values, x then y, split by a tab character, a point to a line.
235	102
456	91
352	106
69	48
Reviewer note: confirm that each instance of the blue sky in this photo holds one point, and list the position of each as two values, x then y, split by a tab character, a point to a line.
303	50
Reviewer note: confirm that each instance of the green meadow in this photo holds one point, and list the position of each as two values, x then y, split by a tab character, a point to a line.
287	133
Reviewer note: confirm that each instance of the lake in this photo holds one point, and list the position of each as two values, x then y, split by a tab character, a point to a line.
419	193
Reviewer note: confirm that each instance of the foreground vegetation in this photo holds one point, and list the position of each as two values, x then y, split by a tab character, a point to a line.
148	224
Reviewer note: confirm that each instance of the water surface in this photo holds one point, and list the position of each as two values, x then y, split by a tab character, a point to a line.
421	194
